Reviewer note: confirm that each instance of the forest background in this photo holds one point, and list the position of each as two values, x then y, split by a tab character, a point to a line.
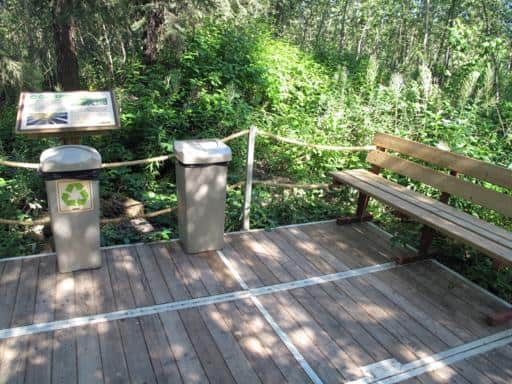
321	71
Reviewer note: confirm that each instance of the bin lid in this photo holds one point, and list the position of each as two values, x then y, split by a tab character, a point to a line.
69	158
206	151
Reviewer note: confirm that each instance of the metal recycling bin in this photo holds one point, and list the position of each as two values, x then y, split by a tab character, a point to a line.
201	173
71	175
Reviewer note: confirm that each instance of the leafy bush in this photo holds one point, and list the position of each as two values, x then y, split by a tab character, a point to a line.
230	76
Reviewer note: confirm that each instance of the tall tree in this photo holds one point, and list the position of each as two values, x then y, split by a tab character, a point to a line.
154	21
65	45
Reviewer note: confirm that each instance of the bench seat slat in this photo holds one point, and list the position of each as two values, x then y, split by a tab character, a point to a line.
460	163
422	211
468	221
485	197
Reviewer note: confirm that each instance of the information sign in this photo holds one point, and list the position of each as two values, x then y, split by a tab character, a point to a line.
51	113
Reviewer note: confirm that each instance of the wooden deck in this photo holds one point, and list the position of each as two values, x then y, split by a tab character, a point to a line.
153	314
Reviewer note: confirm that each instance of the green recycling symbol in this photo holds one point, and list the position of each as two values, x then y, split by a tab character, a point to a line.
72	198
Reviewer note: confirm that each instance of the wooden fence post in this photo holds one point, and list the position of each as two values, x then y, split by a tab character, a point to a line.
248	182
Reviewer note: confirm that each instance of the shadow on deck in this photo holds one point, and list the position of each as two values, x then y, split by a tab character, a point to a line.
311	303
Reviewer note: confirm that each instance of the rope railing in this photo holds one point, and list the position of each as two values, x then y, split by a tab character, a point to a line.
26	223
105	220
335	148
127	163
17	164
158	159
278	184
149	215
121	219
271	183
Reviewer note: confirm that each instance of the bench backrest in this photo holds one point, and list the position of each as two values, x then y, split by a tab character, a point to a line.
446	183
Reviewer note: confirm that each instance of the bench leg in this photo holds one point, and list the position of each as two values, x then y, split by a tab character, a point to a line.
427	235
361	215
499	318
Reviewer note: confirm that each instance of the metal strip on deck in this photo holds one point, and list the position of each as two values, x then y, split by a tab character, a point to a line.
186	304
384	371
277	329
442	359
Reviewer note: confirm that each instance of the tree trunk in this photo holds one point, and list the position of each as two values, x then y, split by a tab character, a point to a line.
155	19
65	48
426	31
342	31
321	25
360	43
444	37
108	51
496	63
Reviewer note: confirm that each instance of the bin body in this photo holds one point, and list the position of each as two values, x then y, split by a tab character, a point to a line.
201	174
72	187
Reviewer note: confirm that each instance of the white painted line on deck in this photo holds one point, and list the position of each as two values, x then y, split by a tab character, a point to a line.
190	303
382	368
442	359
277	329
323	279
119	315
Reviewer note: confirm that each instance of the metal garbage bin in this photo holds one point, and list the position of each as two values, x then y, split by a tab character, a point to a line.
71	176
201	173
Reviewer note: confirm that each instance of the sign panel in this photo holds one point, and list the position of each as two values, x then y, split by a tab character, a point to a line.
74	196
63	112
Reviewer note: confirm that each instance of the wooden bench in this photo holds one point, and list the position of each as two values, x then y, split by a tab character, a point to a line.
436	215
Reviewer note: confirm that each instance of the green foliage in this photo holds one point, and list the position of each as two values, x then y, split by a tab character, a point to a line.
222	75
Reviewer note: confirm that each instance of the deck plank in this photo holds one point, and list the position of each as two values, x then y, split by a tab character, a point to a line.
406	313
136	352
13	364
211	356
162	360
417	329
394	328
161	275
113	358
346	322
304	332
23	311
341	239
339	291
416	309
88	345
232	320
309	251
310	299
262	342
40	350
323	357
460	311
263	273
241	265
64	357
258	341
8	289
298	259
267	367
